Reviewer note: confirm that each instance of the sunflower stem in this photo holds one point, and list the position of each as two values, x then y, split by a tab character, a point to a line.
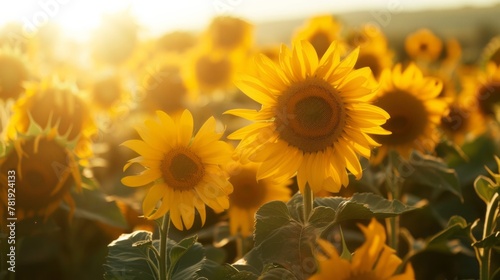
163	246
393	188
308	200
492	210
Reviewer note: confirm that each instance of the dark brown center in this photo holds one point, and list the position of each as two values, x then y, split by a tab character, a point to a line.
310	115
182	169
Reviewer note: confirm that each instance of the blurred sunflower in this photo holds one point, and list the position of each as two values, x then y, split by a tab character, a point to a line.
249	194
228	34
184	172
315	117
411	101
374	260
56	105
107	93
163	86
463	122
423	45
487	92
321	31
491	52
206	72
46	170
177	41
373	51
13	73
115	39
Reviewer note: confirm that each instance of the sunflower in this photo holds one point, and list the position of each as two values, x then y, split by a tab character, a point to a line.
315	117
206	71
57	105
249	194
491	52
411	101
321	31
374	260
46	170
185	173
13	72
487	92
463	122
107	93
373	52
162	85
228	34
423	44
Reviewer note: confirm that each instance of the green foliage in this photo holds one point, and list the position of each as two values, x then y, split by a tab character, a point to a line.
485	188
284	239
92	204
363	206
429	171
132	256
135	256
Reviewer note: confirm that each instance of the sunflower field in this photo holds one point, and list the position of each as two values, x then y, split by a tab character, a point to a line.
326	149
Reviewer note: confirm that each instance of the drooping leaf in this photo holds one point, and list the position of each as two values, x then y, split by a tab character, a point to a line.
126	261
363	206
433	172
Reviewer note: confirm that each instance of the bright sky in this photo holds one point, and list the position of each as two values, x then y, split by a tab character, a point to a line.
79	17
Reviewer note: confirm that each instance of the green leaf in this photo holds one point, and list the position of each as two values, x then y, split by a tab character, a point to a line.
447	239
283	240
277	273
92	204
433	172
346	254
488	242
363	206
321	217
186	258
270	216
212	270
485	188
126	261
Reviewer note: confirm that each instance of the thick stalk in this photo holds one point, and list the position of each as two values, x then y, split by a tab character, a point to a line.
491	213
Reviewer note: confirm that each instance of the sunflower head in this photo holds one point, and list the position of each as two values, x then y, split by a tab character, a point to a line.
13	73
374	260
488	91
315	117
107	93
184	173
423	44
321	31
374	52
249	194
163	86
228	34
46	169
207	72
56	105
411	101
